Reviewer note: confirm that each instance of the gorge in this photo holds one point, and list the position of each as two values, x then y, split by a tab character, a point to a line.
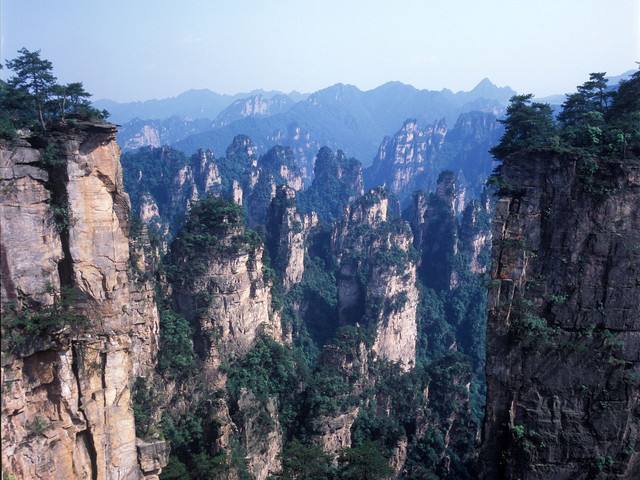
262	314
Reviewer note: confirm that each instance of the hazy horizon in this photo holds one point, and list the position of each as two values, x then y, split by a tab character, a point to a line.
146	50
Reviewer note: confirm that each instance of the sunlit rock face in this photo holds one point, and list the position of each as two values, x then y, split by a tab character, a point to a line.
408	157
287	231
66	406
377	276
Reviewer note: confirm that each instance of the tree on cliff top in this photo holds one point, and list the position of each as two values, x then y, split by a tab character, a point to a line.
527	125
32	98
596	122
33	78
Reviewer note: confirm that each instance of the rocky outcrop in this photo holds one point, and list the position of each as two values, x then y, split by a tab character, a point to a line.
377	276
225	292
337	181
408	159
252	107
467	146
348	359
66	407
31	246
276	167
412	158
563	331
438	232
164	183
475	234
262	440
153	456
286	234
334	433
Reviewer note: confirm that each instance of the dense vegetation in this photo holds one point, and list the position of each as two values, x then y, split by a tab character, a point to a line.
596	123
25	325
33	99
327	370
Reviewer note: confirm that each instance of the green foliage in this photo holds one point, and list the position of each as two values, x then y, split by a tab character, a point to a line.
305	462
447	379
145	403
38	425
602	462
62	218
214	227
331	191
31	97
365	462
152	170
8	476
329	389
22	326
597	126
207	467
518	431
558	299
529	125
175	470
529	327
268	370
176	358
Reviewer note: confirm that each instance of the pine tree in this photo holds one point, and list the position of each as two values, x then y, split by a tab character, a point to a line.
34	81
527	125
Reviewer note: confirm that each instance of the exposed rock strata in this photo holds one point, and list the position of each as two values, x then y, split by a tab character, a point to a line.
66	407
563	332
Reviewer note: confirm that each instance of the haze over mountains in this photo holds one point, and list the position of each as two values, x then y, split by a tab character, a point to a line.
196	103
340	116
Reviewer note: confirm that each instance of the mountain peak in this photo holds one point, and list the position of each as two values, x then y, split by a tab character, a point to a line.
484	85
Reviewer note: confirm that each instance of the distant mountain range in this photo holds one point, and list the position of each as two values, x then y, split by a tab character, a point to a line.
340	116
192	104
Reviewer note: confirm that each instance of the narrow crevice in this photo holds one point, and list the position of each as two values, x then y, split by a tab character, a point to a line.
54	161
91	448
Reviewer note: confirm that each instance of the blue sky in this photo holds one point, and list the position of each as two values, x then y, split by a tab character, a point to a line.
139	49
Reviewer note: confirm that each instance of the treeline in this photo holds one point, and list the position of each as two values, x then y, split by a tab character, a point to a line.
33	99
595	121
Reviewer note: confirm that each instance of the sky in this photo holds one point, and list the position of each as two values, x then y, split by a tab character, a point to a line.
139	49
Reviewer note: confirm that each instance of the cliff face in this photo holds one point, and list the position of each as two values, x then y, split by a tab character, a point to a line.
434	222
276	167
164	183
220	286
563	332
408	157
77	325
377	276
338	180
287	231
412	159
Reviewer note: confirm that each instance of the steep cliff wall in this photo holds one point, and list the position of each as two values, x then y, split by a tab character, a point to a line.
377	276
563	334
415	155
219	283
408	160
77	325
287	231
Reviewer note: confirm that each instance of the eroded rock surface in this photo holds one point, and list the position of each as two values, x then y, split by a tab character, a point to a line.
563	332
66	406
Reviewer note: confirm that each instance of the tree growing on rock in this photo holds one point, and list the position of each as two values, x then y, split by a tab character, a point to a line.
32	98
